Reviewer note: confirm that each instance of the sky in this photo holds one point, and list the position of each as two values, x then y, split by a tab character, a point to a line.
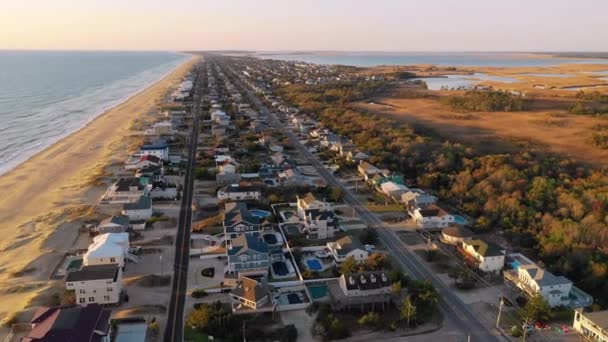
274	25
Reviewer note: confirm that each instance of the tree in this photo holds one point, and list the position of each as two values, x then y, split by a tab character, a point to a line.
336	194
350	265
369	236
370	319
408	310
376	262
396	288
537	309
200	318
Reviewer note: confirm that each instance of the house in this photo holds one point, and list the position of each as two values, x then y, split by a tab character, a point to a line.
310	202
113	224
161	128
126	190
387	176
140	162
319	224
227	174
486	256
100	284
432	216
110	248
163	190
236	192
238	221
347	247
291	177
140	210
248	255
367	170
160	150
218	131
152	172
250	294
593	326
533	280
393	190
89	323
365	284
357	156
455	235
331	141
416	198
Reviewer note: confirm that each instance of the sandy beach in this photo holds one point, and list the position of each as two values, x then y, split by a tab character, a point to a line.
58	185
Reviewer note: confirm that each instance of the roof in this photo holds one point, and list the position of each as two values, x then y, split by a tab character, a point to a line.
118	220
542	277
317	214
150	158
241	188
250	289
94	272
245	242
347	244
107	245
124	184
458	232
600	318
367	167
236	212
69	324
144	202
366	280
157	146
308	198
485	249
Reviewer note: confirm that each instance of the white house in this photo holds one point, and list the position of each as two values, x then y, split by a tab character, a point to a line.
347	247
367	170
593	326
432	216
236	192
487	256
391	189
140	162
125	190
100	284
365	284
110	248
455	235
113	224
160	150
138	211
317	224
310	202
250	294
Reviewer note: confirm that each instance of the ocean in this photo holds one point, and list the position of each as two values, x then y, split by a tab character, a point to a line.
481	59
46	95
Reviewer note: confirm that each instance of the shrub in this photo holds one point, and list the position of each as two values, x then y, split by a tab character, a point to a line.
199	293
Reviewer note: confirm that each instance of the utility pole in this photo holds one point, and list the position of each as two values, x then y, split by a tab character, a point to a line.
499	312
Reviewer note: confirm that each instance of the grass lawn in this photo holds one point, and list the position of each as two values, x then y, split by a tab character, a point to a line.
191	335
381	208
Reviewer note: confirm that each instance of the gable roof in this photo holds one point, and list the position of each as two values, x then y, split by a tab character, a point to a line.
308	198
125	183
94	272
366	280
347	244
246	242
542	277
250	289
600	318
485	249
118	220
144	202
236	212
69	324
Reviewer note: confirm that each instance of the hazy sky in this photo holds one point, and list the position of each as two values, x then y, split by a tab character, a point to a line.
387	25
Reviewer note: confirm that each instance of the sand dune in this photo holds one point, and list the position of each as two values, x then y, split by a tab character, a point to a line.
56	186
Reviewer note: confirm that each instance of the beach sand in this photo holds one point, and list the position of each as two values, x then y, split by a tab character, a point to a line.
59	185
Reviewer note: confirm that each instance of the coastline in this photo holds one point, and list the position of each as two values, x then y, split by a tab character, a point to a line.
60	184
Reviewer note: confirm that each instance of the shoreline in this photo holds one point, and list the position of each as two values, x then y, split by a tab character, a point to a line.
32	152
47	197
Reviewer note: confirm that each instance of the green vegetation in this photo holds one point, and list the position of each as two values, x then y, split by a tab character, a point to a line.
484	101
328	327
536	310
550	207
198	293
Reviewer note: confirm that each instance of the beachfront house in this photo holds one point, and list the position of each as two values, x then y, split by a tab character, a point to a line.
248	255
125	190
159	150
365	284
100	284
347	247
236	192
592	326
110	248
238	221
250	294
163	190
113	224
138	211
89	323
432	216
485	256
533	280
140	162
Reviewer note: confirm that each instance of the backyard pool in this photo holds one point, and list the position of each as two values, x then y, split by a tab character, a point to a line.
318	291
314	264
459	220
260	213
270	239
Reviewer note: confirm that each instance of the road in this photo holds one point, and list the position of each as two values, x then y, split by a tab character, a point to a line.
450	305
174	327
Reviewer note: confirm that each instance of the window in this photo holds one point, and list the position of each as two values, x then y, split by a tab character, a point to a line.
107	298
91	299
82	291
112	259
82	300
109	289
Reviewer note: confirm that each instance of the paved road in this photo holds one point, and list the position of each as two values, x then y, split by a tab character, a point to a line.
450	305
175	317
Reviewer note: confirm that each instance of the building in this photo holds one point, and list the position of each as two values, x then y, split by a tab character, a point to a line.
110	248
238	221
310	202
387	176
416	198
140	210
393	190
365	284
236	192
455	235
126	190
593	326
159	150
367	170
356	156
113	224
140	162
432	216
161	128
248	255
163	191
347	247
250	294
100	284
486	256
532	280
319	224
89	323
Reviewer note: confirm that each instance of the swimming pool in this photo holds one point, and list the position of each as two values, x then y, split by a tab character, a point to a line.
270	239
318	291
260	213
459	220
314	264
